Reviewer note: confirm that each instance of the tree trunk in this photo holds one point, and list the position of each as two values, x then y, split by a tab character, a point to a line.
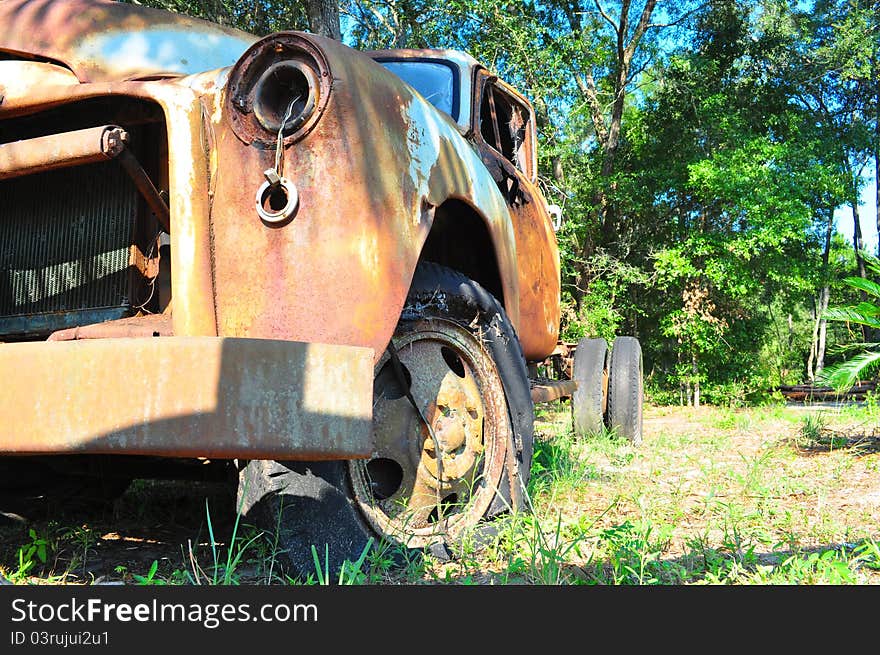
858	245
684	380
696	373
816	360
324	18
817	346
875	74
823	326
814	342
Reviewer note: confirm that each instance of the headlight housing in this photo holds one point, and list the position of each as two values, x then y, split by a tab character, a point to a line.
284	75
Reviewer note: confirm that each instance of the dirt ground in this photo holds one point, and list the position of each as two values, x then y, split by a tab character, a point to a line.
687	455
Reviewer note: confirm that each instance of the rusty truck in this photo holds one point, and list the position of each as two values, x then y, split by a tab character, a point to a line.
328	275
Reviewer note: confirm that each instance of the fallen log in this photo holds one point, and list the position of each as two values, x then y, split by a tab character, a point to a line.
807	392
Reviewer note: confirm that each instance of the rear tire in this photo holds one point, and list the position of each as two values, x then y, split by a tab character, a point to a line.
625	389
590	371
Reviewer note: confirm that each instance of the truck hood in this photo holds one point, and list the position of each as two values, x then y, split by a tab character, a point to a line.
104	41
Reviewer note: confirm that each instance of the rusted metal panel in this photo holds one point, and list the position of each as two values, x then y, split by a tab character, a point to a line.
537	269
18	78
60	150
134	327
544	391
369	174
188	396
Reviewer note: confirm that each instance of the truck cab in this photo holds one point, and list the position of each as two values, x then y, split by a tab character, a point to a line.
323	272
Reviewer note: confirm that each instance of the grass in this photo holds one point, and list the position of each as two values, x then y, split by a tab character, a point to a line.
759	496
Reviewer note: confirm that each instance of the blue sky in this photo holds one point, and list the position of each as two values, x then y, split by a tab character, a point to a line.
867	218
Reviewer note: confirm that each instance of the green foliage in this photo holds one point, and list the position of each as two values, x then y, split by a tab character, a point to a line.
866	361
556	463
740	206
150	578
812	427
598	314
258	18
223	570
633	553
825	567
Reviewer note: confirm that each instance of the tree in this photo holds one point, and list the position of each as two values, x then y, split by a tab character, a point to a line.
324	18
260	17
866	361
830	55
605	83
732	186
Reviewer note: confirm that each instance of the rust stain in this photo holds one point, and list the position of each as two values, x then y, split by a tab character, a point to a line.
136	327
59	151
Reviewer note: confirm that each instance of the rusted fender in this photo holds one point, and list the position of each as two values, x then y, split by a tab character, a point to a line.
369	175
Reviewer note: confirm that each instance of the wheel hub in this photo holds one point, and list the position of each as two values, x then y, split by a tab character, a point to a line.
422	483
457	424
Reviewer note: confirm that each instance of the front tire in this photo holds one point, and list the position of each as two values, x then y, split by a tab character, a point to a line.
463	366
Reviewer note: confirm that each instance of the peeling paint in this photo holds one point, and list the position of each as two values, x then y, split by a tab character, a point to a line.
163	51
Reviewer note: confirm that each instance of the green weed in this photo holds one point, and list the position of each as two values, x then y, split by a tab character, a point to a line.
812	427
825	567
350	573
29	556
633	554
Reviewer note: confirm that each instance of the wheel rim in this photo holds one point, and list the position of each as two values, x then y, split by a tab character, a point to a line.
418	489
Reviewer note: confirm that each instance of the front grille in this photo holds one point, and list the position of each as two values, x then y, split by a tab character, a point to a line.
65	239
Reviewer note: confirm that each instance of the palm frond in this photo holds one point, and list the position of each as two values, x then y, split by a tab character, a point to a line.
841	349
868	308
872	263
844	375
868	286
851	315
